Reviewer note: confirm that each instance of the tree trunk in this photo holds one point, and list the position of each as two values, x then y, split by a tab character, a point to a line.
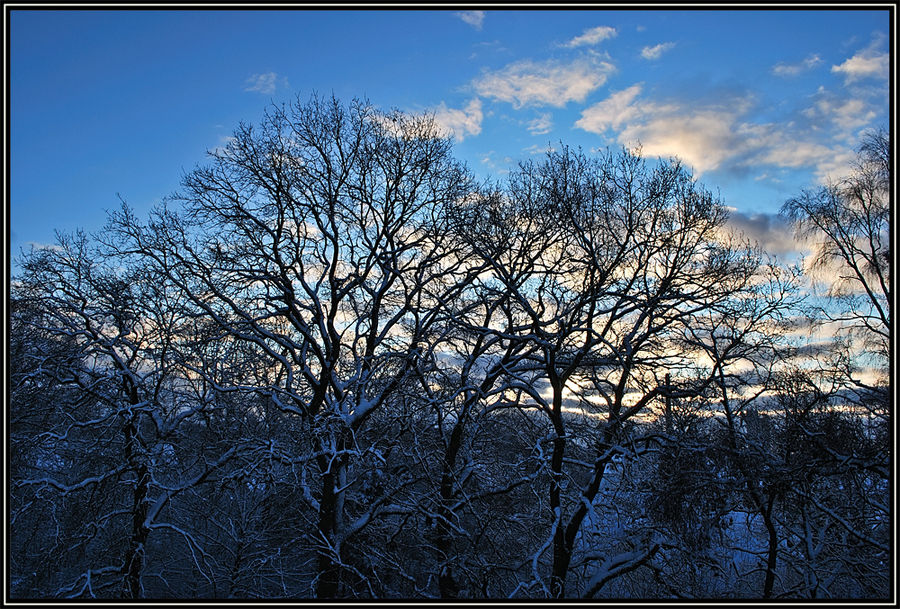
137	546
561	554
447	585
668	406
773	549
328	568
331	518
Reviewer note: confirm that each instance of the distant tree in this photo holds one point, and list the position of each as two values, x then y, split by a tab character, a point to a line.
835	505
40	362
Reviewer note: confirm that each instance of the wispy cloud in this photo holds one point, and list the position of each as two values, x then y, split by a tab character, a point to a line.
493	47
846	113
473	18
870	62
535	149
460	123
592	36
703	138
791	147
44	246
655	52
863	66
548	83
265	83
448	122
792	69
501	166
540	125
224	142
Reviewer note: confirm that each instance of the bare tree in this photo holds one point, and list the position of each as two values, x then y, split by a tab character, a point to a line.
109	448
849	224
609	262
316	238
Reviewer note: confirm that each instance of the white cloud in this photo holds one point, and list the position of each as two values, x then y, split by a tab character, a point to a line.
655	52
702	137
44	246
787	152
264	83
863	66
790	146
460	123
447	122
224	142
473	18
867	63
540	125
833	166
710	136
548	83
611	112
792	69
592	36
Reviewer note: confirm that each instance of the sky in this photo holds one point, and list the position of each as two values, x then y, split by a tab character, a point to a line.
760	103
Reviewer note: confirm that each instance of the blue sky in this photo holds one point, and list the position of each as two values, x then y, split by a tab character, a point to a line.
761	103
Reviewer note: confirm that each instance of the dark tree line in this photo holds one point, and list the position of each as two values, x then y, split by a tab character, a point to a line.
333	365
